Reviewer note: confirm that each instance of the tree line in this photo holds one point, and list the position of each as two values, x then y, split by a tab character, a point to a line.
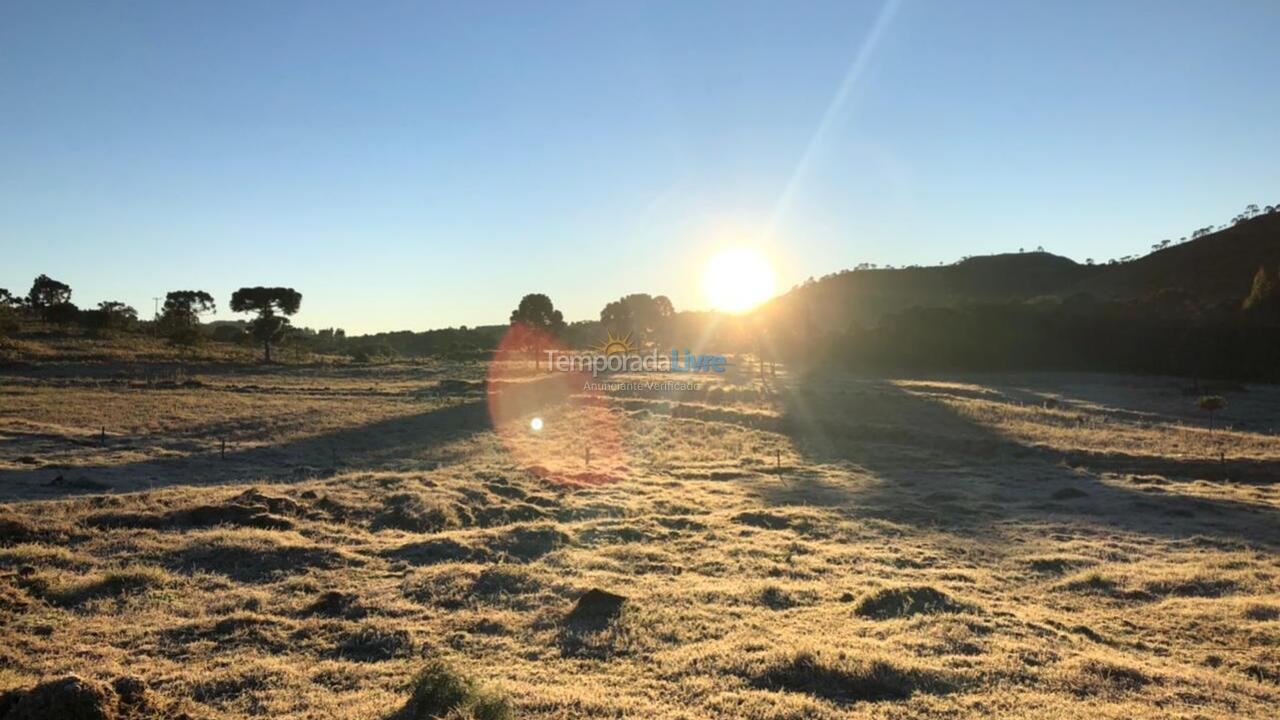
178	320
1169	332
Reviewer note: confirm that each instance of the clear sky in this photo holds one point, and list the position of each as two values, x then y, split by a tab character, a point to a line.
415	165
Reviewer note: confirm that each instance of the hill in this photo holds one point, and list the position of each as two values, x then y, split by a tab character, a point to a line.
861	297
1214	269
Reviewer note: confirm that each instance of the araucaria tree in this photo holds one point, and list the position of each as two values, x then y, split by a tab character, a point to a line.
1211	404
180	316
271	304
537	320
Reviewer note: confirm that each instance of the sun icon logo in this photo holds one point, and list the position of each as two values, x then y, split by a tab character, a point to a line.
615	345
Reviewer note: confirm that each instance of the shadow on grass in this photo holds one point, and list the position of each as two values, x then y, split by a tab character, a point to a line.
406	441
928	465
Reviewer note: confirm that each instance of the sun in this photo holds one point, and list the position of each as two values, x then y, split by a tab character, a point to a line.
737	280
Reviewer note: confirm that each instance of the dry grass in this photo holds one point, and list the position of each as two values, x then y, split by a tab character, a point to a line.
823	547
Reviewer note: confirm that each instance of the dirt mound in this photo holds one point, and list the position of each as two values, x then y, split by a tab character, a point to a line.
439	550
336	603
595	610
201	516
12	599
412	512
843	682
276	504
506	580
255	516
529	542
15	529
773	521
239	630
507	514
372	643
251	561
76	698
1056	565
902	602
117	583
1093	676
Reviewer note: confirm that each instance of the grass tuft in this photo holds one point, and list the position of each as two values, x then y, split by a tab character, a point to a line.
899	602
441	691
843	680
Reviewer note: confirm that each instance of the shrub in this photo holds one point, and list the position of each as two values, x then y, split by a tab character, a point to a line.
439	690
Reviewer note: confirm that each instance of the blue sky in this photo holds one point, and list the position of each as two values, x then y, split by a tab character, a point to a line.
416	165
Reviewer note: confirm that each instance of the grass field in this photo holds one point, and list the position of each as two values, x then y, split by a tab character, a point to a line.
822	546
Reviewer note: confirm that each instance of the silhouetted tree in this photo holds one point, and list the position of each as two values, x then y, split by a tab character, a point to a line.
538	319
63	313
267	302
47	293
110	315
8	311
180	315
228	333
639	314
1211	404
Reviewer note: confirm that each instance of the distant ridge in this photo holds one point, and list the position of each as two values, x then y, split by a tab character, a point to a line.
1214	269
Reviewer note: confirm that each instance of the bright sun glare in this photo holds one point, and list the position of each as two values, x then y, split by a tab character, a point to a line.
737	280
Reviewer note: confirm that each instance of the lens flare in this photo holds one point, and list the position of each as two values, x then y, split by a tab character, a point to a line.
552	423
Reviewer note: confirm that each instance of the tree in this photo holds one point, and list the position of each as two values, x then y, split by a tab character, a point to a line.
267	302
8	306
537	319
638	314
47	293
180	315
1211	404
63	313
230	333
110	315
